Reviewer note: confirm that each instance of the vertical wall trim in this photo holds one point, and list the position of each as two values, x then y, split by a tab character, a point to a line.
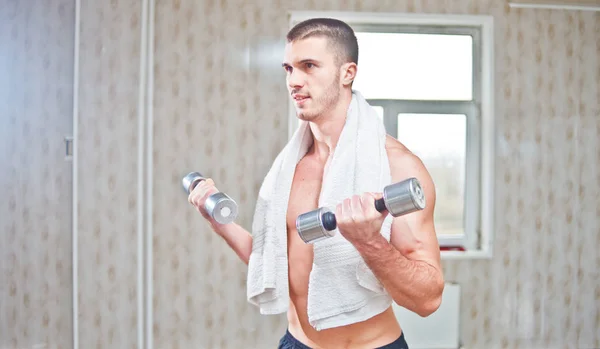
74	169
149	177
140	177
144	178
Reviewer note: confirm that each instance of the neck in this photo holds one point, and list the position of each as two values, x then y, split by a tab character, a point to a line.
327	129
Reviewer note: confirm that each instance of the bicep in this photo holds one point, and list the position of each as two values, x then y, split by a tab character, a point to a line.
414	234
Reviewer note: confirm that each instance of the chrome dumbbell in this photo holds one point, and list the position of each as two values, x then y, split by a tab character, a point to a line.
398	199
219	206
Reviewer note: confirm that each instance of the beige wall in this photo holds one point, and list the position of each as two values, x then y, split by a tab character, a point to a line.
218	62
36	85
107	174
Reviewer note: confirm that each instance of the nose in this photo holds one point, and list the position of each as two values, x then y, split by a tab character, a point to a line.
295	79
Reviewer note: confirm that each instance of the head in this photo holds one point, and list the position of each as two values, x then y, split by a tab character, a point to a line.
320	61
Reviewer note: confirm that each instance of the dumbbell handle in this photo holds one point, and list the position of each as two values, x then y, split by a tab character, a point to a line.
195	182
328	218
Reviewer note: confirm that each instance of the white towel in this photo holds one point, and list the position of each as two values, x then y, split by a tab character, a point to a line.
342	289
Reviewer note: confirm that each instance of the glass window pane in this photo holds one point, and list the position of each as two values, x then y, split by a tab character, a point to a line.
439	140
415	66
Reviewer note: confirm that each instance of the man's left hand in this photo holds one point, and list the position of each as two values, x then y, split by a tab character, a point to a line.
358	220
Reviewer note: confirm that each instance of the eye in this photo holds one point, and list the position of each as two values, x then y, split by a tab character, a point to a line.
309	65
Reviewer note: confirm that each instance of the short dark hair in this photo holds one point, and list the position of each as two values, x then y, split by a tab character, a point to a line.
339	34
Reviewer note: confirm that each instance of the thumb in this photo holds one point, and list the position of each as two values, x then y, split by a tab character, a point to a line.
379	205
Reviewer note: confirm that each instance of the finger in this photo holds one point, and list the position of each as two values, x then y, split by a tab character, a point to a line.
201	197
348	209
368	203
196	199
344	212
374	197
208	191
339	213
209	182
193	192
201	187
194	195
205	188
357	208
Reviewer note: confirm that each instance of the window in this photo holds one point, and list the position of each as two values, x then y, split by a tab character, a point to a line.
429	78
416	66
439	140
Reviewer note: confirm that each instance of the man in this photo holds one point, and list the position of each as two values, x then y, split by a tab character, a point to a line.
320	61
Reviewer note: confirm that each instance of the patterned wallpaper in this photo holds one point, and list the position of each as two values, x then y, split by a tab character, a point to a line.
36	94
217	62
107	202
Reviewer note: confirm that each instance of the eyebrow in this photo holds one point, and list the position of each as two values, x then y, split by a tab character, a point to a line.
306	60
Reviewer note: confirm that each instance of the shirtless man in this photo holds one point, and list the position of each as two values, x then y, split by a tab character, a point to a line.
321	63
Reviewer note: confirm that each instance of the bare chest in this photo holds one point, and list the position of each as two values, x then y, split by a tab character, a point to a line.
304	197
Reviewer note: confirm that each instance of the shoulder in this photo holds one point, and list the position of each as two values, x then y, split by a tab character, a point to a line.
402	160
405	164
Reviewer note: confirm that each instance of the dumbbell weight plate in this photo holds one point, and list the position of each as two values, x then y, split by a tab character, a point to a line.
404	197
223	209
190	181
310	225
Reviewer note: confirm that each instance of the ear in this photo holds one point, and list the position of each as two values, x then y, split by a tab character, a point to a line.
348	73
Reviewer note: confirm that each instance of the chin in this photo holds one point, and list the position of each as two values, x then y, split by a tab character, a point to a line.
309	114
305	116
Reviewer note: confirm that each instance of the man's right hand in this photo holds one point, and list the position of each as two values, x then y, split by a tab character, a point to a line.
238	238
200	194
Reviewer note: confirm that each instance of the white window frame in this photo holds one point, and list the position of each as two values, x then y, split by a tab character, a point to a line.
479	198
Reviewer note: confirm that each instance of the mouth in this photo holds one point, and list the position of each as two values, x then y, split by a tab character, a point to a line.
300	98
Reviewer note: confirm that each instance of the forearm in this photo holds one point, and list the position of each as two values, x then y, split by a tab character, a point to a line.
238	238
413	284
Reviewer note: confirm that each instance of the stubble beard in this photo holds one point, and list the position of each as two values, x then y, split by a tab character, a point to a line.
324	104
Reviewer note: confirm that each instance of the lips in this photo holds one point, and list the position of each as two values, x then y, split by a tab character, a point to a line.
300	97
